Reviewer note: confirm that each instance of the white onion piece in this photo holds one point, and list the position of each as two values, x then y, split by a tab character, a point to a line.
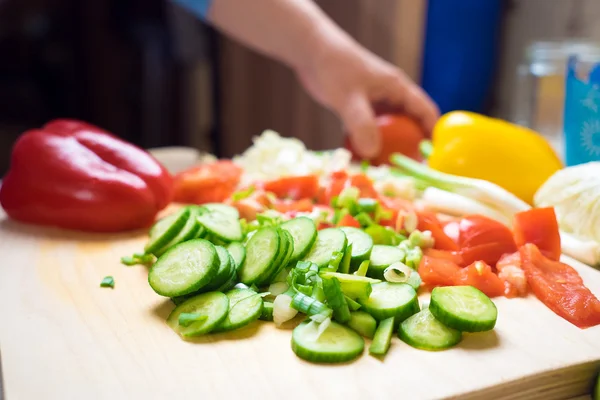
397	273
282	309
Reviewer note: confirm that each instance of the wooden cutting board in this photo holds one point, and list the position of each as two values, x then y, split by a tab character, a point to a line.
64	337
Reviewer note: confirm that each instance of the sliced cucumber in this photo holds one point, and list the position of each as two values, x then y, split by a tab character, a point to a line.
383	256
222	208
383	337
267	311
165	229
238	252
261	252
231	281
388	299
328	242
221	224
344	266
245	306
353	286
189	231
363	323
223	273
184	268
335	345
464	308
213	305
280	265
304	233
424	331
362	244
284	246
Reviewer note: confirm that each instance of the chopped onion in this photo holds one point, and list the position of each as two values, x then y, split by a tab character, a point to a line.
278	288
397	273
282	309
241	286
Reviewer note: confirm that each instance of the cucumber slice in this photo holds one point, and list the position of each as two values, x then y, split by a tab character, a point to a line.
362	244
280	265
424	331
304	234
383	338
335	345
221	208
261	252
184	268
363	323
388	299
245	306
189	231
328	242
221	224
238	252
165	229
223	273
463	308
353	286
214	305
382	256
344	266
284	245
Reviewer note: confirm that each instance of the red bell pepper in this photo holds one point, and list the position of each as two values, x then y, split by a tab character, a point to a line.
74	175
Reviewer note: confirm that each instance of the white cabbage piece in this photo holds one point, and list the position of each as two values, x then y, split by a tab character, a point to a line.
574	192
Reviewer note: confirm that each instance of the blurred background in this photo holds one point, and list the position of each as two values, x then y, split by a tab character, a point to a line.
156	76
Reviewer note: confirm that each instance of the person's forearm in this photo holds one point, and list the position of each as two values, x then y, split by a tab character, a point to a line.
291	31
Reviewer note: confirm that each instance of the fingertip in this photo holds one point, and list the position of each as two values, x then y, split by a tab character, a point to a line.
359	120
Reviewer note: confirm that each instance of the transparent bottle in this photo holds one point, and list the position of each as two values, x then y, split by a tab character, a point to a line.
540	93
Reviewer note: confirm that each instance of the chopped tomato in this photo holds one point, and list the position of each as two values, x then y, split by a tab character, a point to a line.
348	220
444	255
481	276
560	288
365	185
207	183
337	183
285	206
510	272
437	271
294	187
539	226
429	222
483	239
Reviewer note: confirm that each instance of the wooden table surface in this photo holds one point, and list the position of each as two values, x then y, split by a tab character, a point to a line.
64	337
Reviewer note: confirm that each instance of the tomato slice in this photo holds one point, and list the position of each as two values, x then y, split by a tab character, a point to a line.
429	222
539	226
560	288
452	256
286	206
207	183
480	275
483	239
365	185
348	220
337	183
437	271
294	187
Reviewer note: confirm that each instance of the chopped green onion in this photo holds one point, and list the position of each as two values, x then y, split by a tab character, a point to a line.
336	259
108	281
414	280
384	235
138	259
381	213
363	268
344	266
367	205
336	300
309	306
364	219
353	305
397	273
269	218
267	312
426	148
186	319
348	198
355	287
413	258
318	293
243	194
421	239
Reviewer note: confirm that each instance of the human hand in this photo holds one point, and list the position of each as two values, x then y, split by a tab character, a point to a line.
356	84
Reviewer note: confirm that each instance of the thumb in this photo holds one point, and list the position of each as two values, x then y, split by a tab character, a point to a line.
359	119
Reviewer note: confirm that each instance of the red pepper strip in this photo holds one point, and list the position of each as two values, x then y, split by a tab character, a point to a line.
84	179
294	187
539	226
560	288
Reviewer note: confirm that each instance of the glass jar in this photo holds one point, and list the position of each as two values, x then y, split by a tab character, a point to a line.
540	94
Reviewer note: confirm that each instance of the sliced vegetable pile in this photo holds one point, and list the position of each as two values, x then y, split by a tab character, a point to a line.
223	274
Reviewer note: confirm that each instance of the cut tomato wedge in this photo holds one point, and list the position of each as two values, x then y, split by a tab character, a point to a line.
429	222
286	206
294	187
336	183
437	271
207	183
481	276
539	226
560	288
365	185
482	239
452	256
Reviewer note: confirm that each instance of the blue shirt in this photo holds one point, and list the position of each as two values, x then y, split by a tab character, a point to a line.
197	7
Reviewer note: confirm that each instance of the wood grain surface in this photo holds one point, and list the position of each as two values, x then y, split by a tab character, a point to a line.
64	337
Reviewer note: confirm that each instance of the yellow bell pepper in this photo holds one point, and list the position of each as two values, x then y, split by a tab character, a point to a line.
476	146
